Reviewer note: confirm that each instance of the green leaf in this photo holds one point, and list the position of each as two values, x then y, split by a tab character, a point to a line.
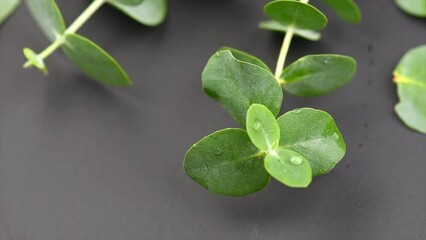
35	60
315	75
7	7
296	14
46	13
94	61
245	57
289	167
278	27
413	7
262	127
128	2
410	77
149	12
347	10
227	163
236	85
313	134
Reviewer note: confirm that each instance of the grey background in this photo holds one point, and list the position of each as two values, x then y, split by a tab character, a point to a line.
82	161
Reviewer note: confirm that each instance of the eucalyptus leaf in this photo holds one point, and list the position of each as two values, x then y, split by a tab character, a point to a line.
246	57
296	14
7	7
413	7
278	27
48	16
313	134
315	75
236	85
128	2
35	60
149	12
262	127
410	77
227	163
289	168
94	61
347	10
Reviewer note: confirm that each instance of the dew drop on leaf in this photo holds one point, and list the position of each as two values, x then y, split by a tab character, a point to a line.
257	125
296	160
218	151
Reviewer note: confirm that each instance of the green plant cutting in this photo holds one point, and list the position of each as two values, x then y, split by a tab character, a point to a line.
410	76
293	148
85	54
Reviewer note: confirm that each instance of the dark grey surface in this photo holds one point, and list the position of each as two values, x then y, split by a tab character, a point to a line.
82	161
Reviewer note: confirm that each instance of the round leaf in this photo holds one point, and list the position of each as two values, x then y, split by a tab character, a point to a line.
296	14
313	134
7	7
94	61
149	12
236	85
245	57
48	16
347	10
227	163
410	77
289	167
262	127
278	27
316	75
413	7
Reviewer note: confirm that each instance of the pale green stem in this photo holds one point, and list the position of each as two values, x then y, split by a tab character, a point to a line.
73	28
284	50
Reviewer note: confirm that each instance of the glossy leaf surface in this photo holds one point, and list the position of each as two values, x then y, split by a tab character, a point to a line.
236	85
246	57
48	16
94	61
313	134
7	7
296	14
347	10
316	75
410	77
413	7
149	12
262	127
278	27
289	168
227	163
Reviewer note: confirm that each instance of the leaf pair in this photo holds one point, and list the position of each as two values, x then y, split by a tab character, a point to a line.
306	19
237	80
410	78
291	149
85	54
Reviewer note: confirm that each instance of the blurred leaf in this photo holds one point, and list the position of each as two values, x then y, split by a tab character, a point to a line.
315	75
48	16
413	7
127	2
35	60
296	14
94	61
149	12
236	85
313	134
347	10
410	77
278	27
227	163
7	7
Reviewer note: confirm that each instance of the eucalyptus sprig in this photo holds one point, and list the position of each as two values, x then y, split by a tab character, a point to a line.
299	145
85	54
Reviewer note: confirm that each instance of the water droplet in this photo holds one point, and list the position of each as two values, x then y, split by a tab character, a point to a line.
336	136
218	151
257	125
326	61
296	160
